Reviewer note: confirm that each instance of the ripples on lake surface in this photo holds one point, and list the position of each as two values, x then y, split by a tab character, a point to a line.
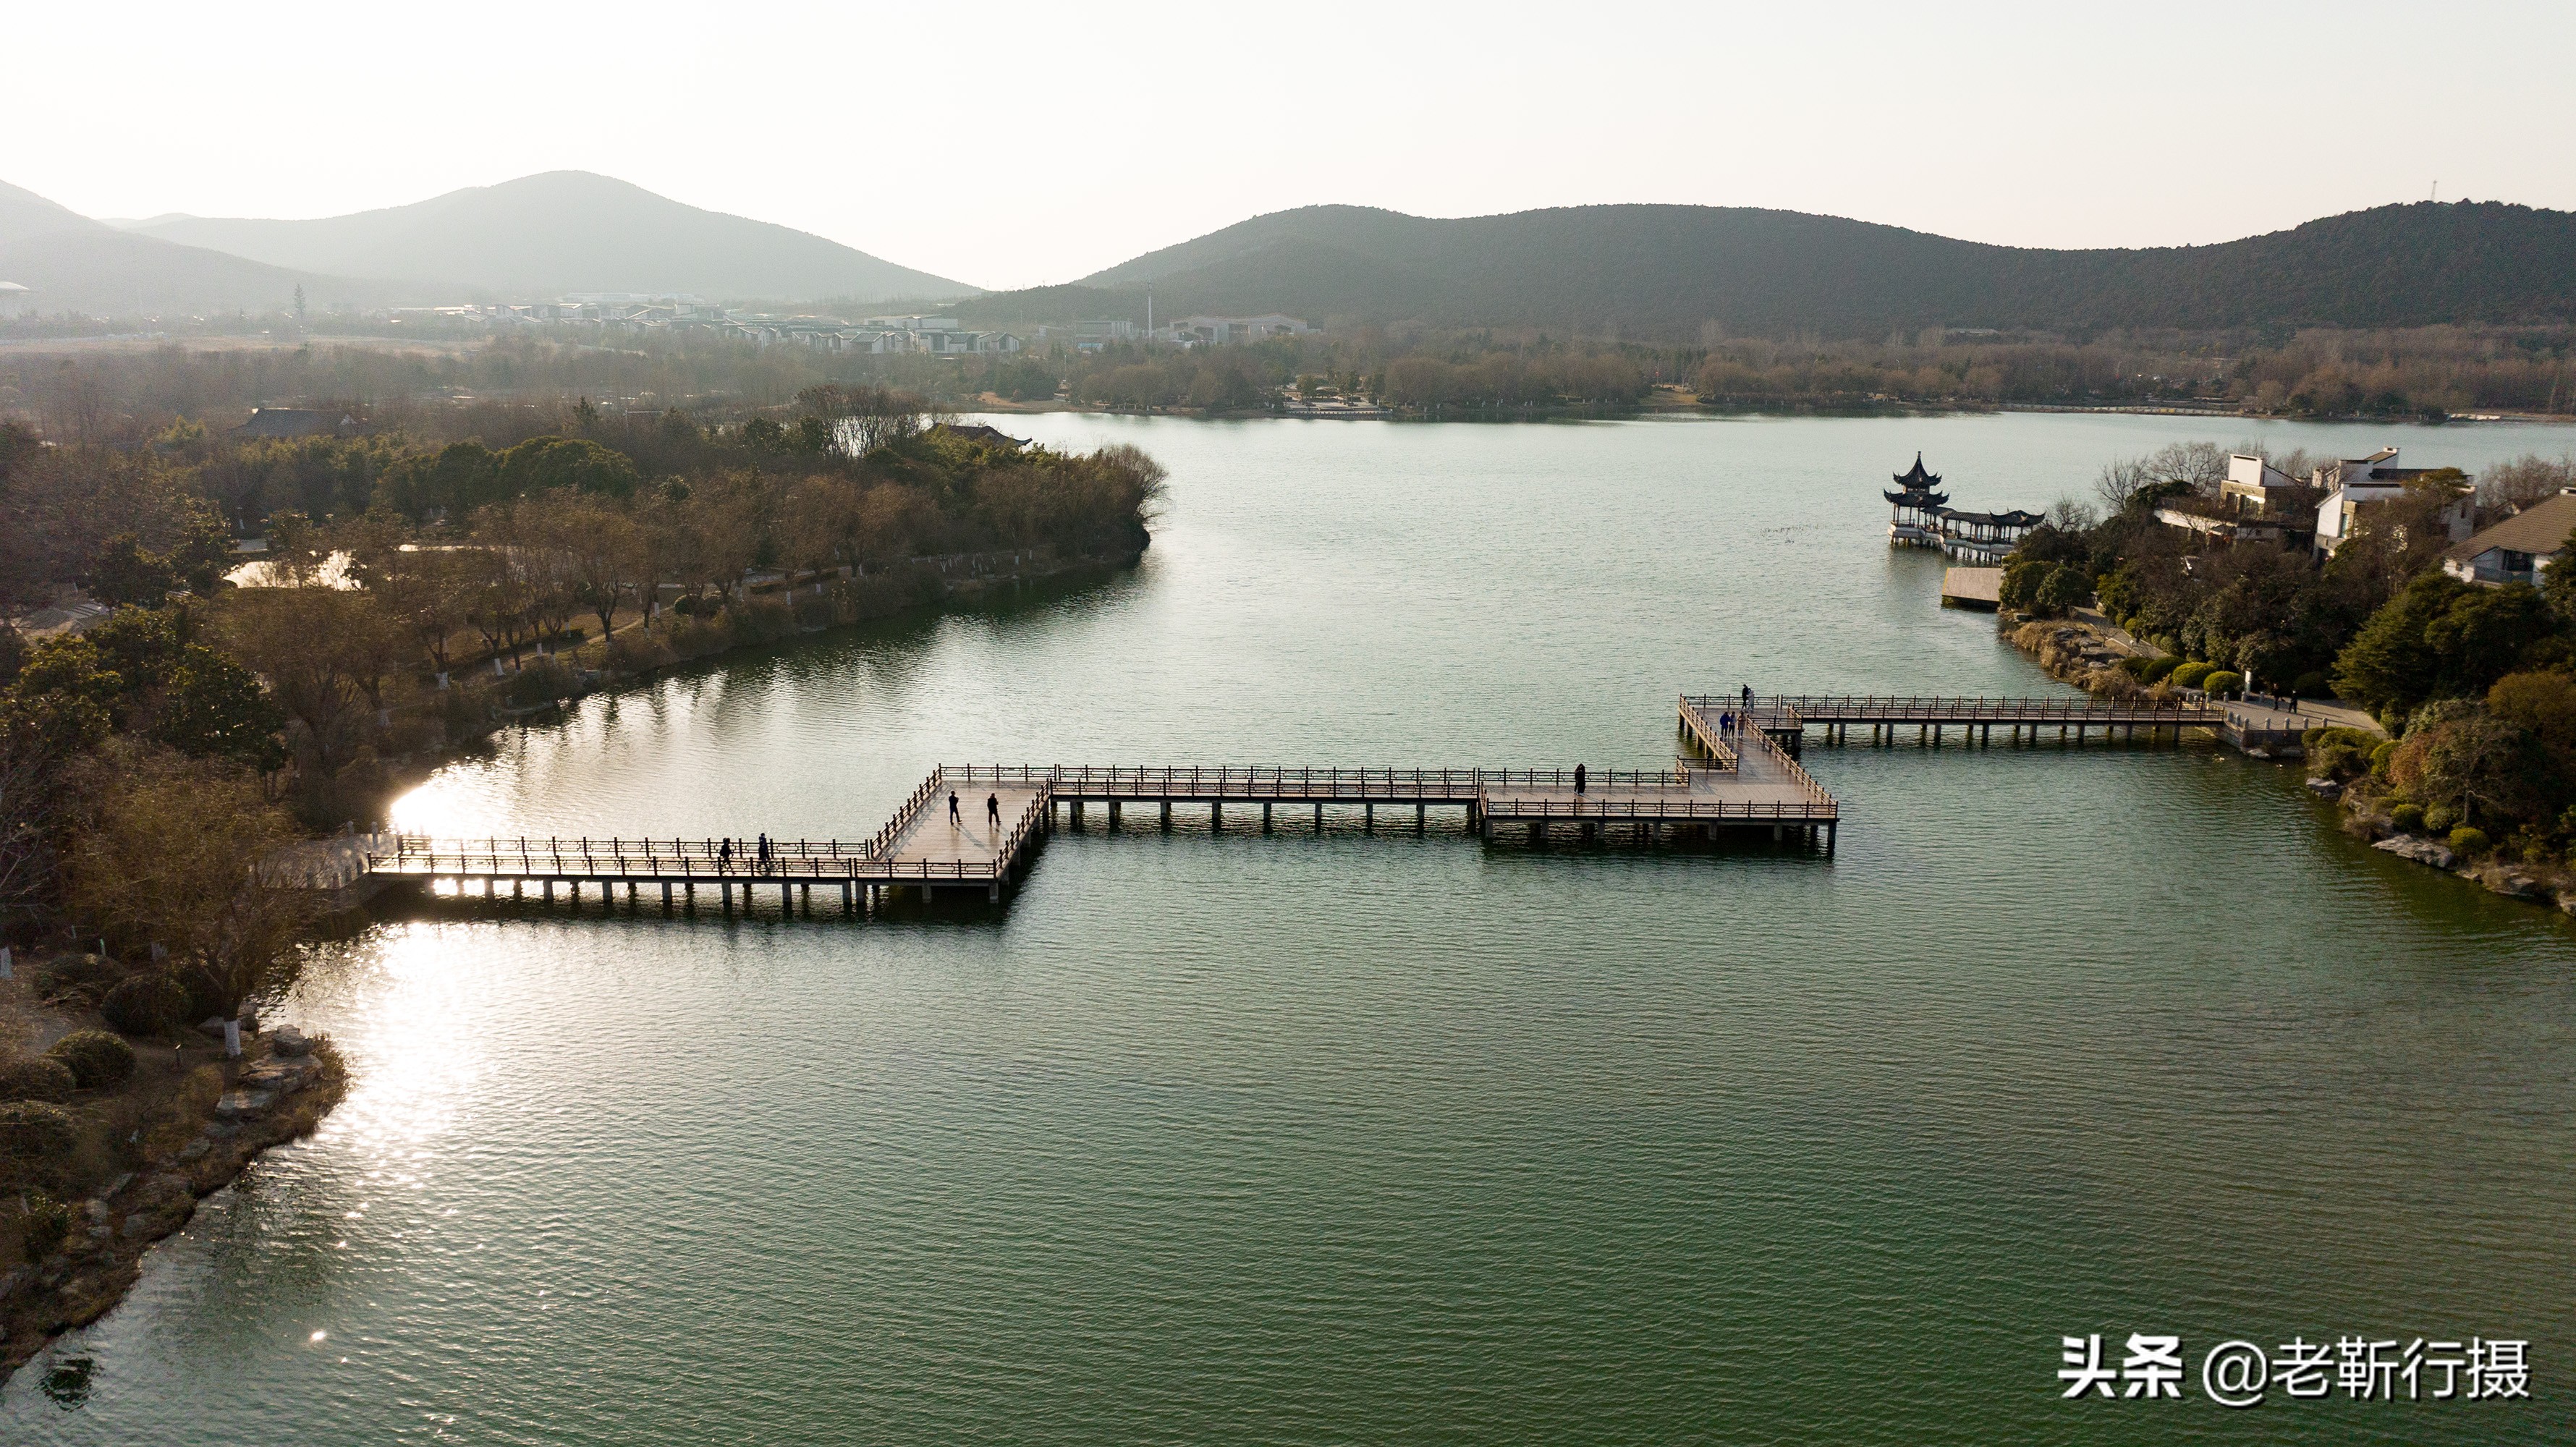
1220	1138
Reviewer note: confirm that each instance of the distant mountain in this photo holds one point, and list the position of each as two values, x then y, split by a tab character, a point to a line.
77	264
1664	271
564	231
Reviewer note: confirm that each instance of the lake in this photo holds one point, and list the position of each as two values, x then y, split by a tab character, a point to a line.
1224	1137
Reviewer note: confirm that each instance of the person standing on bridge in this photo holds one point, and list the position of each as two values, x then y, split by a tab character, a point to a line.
993	811
954	818
1578	778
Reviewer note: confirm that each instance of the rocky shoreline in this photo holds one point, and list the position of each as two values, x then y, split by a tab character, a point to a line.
279	1091
2363	818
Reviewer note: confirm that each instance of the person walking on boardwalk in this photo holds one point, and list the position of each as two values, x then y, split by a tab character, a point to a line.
993	811
954	818
1578	778
724	855
764	853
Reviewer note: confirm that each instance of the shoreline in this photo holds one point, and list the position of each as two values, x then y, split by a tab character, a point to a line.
222	1117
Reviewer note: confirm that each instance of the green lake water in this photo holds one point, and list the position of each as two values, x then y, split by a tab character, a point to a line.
1231	1138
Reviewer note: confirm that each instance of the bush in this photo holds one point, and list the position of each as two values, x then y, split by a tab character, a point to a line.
636	651
75	980
94	1057
2338	753
2311	684
2440	819
46	1224
32	1131
2379	758
2469	843
150	1003
2407	818
36	1078
2224	681
543	681
2159	668
2189	675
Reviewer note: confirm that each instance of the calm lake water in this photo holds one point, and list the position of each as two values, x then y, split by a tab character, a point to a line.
1233	1138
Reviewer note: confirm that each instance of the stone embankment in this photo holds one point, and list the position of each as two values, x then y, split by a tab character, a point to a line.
278	1092
2513	880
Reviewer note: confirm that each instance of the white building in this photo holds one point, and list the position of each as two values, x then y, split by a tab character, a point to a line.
2517	550
2355	483
16	300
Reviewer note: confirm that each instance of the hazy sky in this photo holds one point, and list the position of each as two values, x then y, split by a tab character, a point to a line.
1007	145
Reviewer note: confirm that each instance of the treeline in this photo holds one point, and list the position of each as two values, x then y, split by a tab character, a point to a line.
2475	685
414	589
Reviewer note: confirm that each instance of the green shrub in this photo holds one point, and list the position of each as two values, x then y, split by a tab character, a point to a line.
2159	668
32	1131
36	1078
2407	818
75	980
2189	675
149	1003
2470	843
2440	819
2379	758
94	1057
2338	753
2224	681
2311	684
540	682
43	1227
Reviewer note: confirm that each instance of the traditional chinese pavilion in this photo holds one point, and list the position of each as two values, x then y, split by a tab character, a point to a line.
1915	519
1921	517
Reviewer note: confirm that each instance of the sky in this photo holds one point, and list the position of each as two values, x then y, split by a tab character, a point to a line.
1005	145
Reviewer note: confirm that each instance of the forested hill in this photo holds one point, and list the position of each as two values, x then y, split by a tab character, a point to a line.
562	231
1663	271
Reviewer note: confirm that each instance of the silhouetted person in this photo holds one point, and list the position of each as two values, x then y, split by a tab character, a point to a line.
764	853
1578	778
724	855
954	818
993	810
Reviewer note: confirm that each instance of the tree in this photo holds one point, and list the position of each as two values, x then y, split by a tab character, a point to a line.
125	575
2440	638
174	855
543	464
213	708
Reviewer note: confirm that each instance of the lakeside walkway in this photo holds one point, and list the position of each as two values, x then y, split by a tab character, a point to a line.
1738	769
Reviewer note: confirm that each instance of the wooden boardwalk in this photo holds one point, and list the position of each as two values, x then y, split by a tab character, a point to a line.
1739	769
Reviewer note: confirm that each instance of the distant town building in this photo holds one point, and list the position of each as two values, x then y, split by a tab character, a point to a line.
2517	550
16	300
288	422
1218	331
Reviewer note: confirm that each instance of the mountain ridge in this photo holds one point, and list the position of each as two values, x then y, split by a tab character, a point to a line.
1670	270
559	231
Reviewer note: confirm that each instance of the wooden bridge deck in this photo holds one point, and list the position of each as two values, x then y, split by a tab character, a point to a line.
1740	769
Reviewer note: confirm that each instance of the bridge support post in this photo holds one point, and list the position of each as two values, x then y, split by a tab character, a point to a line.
805	899
1319	816
1421	818
1587	831
993	891
727	887
1216	816
1265	817
1829	837
666	896
1538	831
518	889
1775	833
1113	816
786	899
1167	815
1076	807
1368	818
548	887
848	903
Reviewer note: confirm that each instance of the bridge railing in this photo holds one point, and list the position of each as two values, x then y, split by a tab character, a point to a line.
1817	809
1960	708
676	859
1270	782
